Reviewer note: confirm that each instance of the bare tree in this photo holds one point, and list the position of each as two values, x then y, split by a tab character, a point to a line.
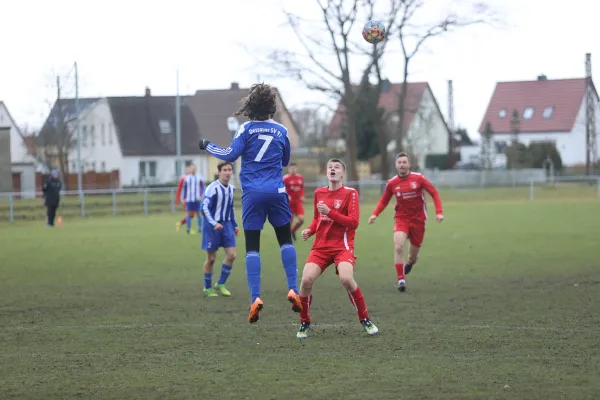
413	36
312	123
332	57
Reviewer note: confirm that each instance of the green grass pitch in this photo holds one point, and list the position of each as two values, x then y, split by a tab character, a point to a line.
503	304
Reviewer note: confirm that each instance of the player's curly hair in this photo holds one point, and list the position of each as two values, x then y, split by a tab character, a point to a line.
260	104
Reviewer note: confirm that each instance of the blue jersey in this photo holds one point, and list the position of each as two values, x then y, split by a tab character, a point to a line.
265	149
193	188
218	204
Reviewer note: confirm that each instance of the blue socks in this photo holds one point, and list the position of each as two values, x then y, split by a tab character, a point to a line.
208	280
200	222
288	258
225	271
253	274
188	222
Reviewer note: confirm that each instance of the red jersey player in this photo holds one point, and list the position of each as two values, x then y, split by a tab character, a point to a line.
411	213
336	216
178	198
294	186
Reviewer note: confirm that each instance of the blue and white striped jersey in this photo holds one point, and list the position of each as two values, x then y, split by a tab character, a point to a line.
193	188
218	203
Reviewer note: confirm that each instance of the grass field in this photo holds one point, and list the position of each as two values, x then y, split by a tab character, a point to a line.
504	304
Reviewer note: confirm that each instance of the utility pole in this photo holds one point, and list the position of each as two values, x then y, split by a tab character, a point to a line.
78	136
452	142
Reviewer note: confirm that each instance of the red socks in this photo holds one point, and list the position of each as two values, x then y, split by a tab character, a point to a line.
304	316
183	221
357	300
400	271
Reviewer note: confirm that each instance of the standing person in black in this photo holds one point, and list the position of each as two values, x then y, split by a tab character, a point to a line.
51	191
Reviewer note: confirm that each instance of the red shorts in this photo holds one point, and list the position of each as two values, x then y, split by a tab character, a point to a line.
324	258
414	230
297	207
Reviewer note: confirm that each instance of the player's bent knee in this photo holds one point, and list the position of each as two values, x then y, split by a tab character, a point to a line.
211	256
230	256
284	234
346	274
310	274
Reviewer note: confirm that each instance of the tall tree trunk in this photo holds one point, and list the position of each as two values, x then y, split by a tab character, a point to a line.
401	109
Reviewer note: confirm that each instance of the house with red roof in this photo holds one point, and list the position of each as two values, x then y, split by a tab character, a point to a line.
542	110
425	130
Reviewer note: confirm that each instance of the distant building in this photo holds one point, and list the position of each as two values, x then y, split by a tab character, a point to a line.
546	111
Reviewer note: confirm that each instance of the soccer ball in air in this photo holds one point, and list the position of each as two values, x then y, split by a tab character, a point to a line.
374	32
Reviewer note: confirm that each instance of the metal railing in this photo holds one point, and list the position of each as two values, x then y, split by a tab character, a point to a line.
149	201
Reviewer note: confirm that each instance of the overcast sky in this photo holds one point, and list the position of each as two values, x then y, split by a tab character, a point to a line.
123	46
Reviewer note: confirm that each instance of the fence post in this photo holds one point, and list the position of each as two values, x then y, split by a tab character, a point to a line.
172	202
114	202
11	205
145	201
82	201
531	196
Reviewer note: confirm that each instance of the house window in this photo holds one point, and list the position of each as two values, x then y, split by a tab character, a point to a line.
110	134
84	136
73	166
93	135
94	166
142	168
103	135
502	114
548	111
152	168
103	166
165	127
528	113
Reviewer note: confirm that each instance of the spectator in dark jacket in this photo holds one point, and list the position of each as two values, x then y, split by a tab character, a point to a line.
51	191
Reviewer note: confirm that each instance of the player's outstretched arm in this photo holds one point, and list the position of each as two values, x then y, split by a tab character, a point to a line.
383	202
351	219
435	195
231	153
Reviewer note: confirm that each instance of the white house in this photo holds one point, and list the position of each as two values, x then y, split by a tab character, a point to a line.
425	130
137	135
18	147
542	111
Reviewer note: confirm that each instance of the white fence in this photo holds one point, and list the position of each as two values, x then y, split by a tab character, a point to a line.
473	185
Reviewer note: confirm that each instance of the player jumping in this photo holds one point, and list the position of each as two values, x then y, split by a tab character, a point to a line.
411	213
336	216
220	229
294	185
264	147
191	194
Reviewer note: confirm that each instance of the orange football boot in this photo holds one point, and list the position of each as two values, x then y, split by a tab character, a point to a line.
255	308
295	300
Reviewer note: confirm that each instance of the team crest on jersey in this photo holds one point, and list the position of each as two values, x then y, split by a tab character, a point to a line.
337	203
413	185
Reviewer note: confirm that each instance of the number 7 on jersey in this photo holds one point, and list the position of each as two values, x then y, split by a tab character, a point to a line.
265	146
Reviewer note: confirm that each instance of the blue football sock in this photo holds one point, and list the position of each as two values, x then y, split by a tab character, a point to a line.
253	274
208	280
288	258
225	271
188	222
200	222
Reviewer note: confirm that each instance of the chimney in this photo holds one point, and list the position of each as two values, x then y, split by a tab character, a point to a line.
148	92
235	86
542	77
385	85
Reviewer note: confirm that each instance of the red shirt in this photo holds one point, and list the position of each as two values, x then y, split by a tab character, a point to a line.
179	189
294	186
410	199
337	229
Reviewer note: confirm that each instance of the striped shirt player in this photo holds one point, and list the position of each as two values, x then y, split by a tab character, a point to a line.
192	191
218	210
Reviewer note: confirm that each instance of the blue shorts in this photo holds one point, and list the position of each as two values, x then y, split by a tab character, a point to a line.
193	206
258	206
212	240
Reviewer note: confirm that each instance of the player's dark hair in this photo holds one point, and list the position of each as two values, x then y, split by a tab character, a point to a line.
338	161
402	154
260	104
222	164
292	164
